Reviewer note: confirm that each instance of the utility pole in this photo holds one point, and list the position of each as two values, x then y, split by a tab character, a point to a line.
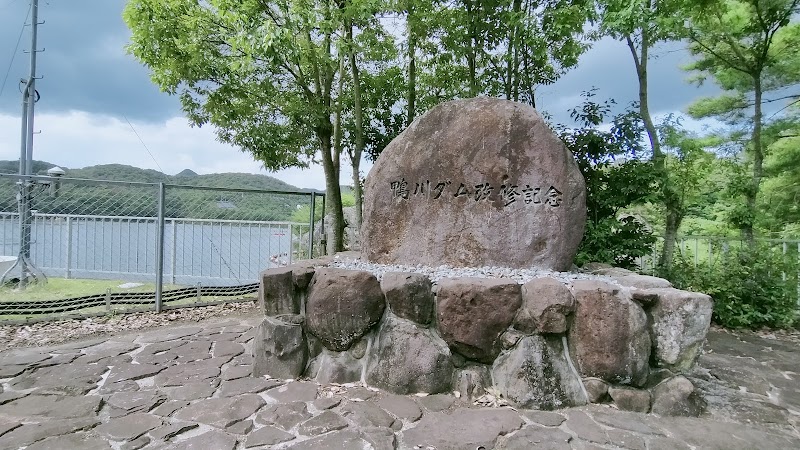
28	272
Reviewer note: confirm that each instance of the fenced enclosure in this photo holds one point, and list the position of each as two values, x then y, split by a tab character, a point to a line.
709	250
167	237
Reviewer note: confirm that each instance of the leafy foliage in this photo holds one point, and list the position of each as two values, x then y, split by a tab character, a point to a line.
746	283
615	179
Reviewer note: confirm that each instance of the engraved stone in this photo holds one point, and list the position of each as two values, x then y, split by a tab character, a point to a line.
475	182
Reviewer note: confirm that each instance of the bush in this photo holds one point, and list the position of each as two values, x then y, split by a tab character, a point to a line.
747	285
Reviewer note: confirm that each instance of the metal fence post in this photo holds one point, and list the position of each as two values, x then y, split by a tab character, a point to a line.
174	249
69	248
311	226
160	248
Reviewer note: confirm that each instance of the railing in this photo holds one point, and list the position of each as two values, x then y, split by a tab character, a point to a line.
157	233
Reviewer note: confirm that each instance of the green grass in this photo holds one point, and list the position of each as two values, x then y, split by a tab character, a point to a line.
62	288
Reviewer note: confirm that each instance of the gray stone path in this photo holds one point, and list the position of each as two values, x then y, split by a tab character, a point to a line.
189	387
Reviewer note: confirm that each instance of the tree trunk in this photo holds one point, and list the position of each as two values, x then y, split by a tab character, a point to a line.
671	200
333	194
355	156
411	94
758	162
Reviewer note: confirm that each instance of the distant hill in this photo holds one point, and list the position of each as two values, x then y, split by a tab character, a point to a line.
123	200
186	173
121	172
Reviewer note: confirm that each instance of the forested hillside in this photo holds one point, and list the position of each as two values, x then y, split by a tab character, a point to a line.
181	200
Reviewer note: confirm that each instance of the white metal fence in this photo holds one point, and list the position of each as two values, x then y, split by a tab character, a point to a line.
157	233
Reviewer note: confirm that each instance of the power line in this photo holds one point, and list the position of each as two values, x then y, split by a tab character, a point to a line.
143	144
14	54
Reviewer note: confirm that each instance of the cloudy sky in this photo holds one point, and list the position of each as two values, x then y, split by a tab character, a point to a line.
94	95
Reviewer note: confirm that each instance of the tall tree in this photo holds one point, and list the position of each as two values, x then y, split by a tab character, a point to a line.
267	75
642	24
749	48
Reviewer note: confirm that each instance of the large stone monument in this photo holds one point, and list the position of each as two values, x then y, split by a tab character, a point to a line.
475	182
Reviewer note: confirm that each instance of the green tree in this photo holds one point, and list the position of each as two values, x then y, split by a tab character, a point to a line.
268	75
749	48
617	177
642	24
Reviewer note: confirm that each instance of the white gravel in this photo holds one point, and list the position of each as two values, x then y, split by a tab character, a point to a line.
521	276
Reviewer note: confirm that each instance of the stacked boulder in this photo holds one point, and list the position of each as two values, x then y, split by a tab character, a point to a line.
623	338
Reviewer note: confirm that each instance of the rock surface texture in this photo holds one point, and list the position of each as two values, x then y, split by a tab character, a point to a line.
479	180
342	305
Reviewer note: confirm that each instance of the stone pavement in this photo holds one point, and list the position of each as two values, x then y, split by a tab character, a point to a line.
188	387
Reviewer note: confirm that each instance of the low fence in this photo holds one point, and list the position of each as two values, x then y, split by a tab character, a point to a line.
164	236
702	250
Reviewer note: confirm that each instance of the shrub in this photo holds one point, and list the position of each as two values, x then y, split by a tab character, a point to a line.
747	285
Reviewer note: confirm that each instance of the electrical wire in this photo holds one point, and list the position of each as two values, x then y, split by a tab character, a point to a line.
143	144
16	47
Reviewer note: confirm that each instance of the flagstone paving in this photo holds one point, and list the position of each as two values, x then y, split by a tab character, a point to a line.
189	387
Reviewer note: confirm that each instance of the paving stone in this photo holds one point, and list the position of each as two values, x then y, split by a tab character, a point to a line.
186	373
224	338
122	386
8	425
29	433
57	360
173	429
70	347
585	428
7	396
9	371
132	372
68	391
139	401
345	439
242	360
366	414
295	391
324	423
105	351
80	441
326	403
267	435
221	412
246	337
161	359
170	406
401	407
237	329
624	420
284	415
438	402
242	427
727	435
665	443
194	391
535	436
70	375
169	334
462	429
380	438
546	418
24	357
128	427
236	372
211	440
193	351
359	393
247	385
161	347
135	444
54	406
626	439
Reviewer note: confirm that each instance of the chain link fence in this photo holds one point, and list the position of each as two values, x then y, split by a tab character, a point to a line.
139	245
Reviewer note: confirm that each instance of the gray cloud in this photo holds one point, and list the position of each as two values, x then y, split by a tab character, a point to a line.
85	66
